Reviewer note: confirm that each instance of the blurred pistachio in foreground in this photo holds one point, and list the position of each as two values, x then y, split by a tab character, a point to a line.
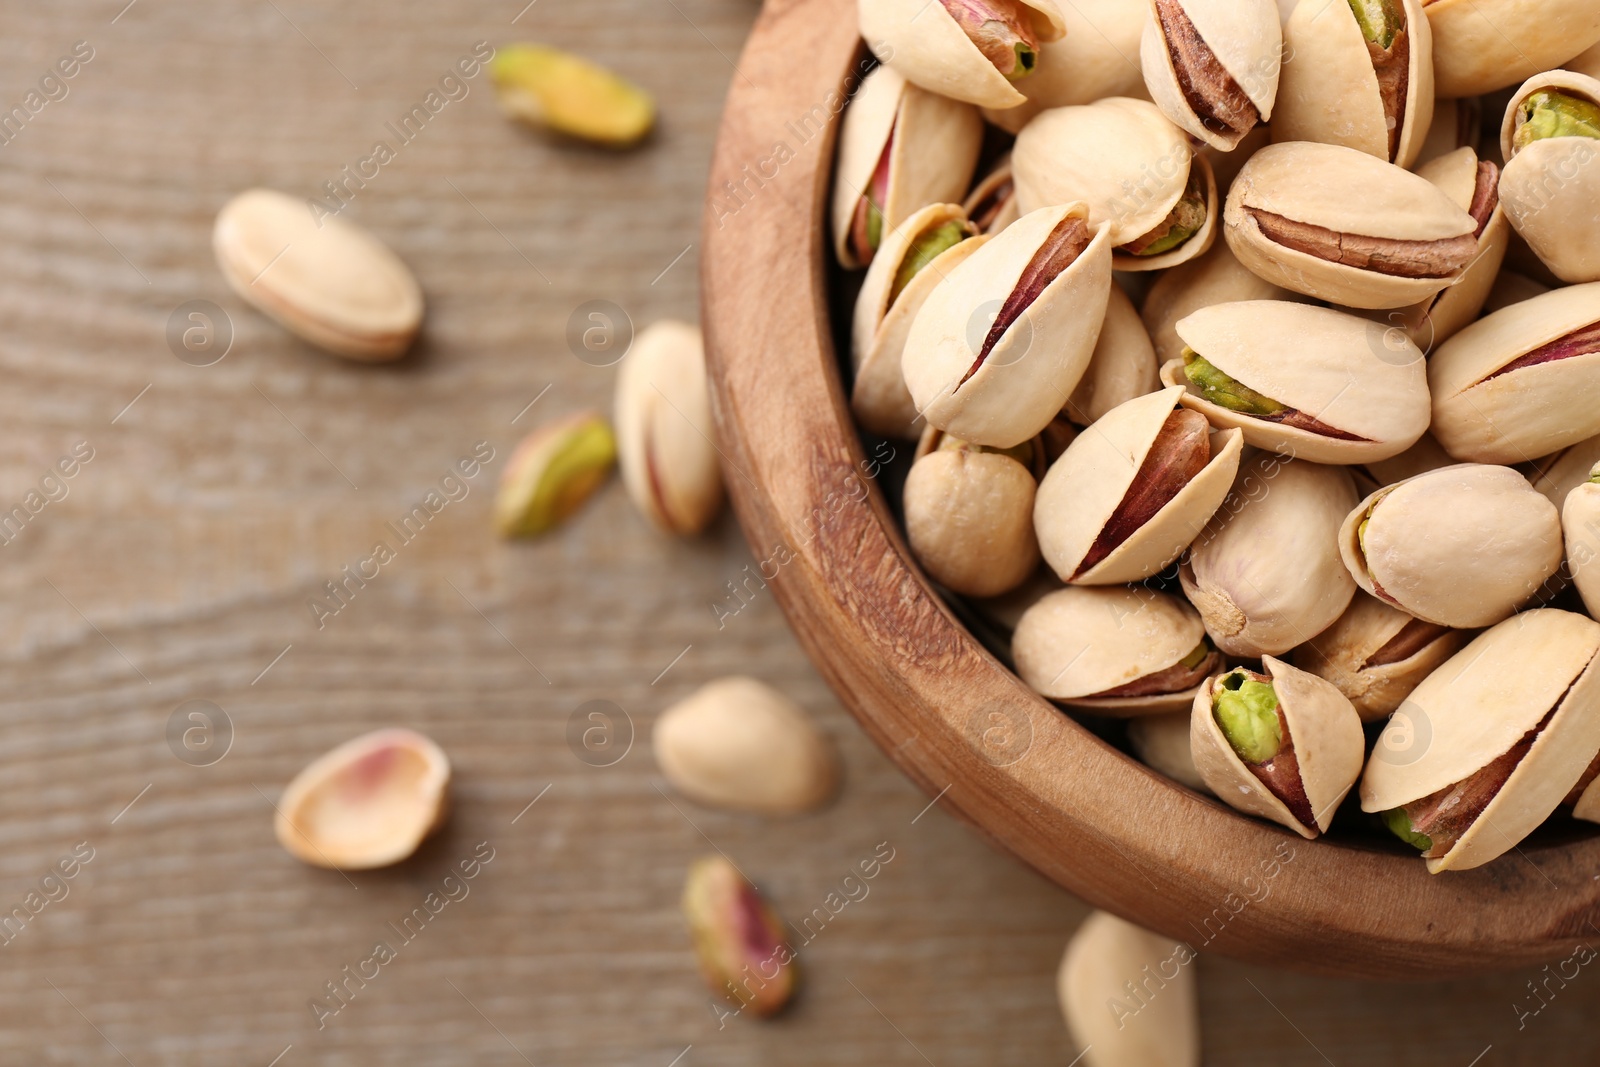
738	938
552	472
551	89
1157	1024
665	436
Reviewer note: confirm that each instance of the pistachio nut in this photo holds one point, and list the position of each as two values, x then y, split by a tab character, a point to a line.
1214	278
1133	168
738	743
1580	526
1362	77
327	281
552	473
1094	59
1337	401
1123	365
1125	500
547	88
665	437
969	513
900	148
1490	743
1376	655
992	204
1511	287
1109	955
1483	45
1520	383
1560	473
1113	650
739	940
1343	226
1551	143
971	50
1212	65
1461	546
1003	340
1456	124
1162	743
1265	573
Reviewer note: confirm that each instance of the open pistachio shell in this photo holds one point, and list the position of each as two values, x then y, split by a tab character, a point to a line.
1162	743
1350	228
1483	45
998	381
1580	526
1461	546
1085	645
1456	124
1214	278
1123	365
1327	745
1107	955
1097	58
1343	398
1531	678
1212	65
922	40
992	204
1551	186
1560	473
1377	654
1523	382
969	517
666	440
1371	93
1265	573
900	148
1125	500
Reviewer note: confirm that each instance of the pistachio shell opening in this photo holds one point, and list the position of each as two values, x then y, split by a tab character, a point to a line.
552	473
967	50
550	89
1376	655
1550	138
739	939
1108	955
1002	30
1090	62
665	436
1213	67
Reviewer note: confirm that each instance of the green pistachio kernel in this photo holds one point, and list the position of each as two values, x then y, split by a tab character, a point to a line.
1380	20
1247	711
874	224
1222	390
929	246
1399	824
1594	475
1198	656
1027	59
1187	218
1548	113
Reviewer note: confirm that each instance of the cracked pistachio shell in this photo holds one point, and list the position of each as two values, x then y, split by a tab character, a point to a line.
1105	956
1483	45
1162	743
1330	91
992	204
1035	365
1091	62
1328	745
1214	278
922	41
1265	573
1084	640
969	518
1245	37
1475	708
1126	161
1083	489
879	398
1580	526
1123	365
1551	188
1489	417
665	432
934	149
1348	192
1342	652
1560	473
1460	546
1341	375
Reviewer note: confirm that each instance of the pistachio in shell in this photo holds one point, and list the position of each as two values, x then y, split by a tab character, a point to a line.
1376	655
1162	743
1462	546
1550	139
1214	278
992	204
1580	526
968	50
1090	62
1282	744
1123	365
1483	45
1212	66
1109	955
665	435
1490	744
1560	473
1113	650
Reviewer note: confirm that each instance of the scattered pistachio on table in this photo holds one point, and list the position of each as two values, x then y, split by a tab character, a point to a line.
665	438
552	473
1105	957
741	943
547	88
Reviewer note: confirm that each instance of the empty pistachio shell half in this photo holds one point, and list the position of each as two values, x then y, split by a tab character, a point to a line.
738	743
1002	342
551	89
1551	140
1104	959
900	148
1345	397
1284	744
914	258
1123	365
1376	655
367	803
1362	77
970	50
552	473
1215	278
992	204
1162	743
1580	525
1456	124
1460	546
1133	168
1483	45
739	940
1092	61
1113	650
326	280
665	436
1125	500
1522	382
1490	743
1212	65
1343	226
1265	573
969	514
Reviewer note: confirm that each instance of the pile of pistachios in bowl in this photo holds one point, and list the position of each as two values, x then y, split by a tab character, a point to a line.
1252	355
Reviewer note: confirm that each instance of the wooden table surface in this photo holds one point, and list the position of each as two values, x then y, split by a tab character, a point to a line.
179	563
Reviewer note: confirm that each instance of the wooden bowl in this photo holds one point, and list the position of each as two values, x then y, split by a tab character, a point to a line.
952	717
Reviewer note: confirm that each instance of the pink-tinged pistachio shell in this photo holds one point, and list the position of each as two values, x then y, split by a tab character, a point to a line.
739	940
1377	654
926	146
969	517
1091	62
1107	955
1086	495
1532	675
1123	366
1461	546
922	40
1483	45
1265	573
1215	278
1551	187
665	434
1560	473
367	803
1216	57
992	204
1328	746
1000	391
1580	525
1523	382
1080	645
1162	743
